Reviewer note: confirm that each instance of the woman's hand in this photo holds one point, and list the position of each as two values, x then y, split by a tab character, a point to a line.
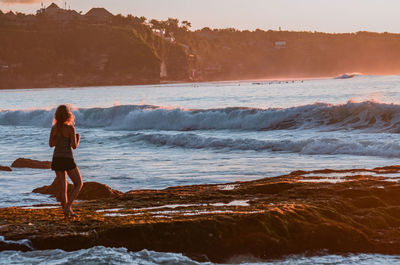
74	140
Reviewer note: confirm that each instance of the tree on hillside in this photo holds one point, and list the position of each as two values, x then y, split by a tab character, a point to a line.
186	24
155	24
142	19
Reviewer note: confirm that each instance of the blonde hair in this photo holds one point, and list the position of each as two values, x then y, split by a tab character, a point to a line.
63	115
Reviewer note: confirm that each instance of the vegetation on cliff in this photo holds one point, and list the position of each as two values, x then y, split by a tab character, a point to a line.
83	55
69	49
232	54
45	52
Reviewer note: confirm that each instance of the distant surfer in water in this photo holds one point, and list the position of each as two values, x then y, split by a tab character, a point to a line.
64	137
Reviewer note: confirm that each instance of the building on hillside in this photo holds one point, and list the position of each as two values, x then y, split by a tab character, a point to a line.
163	70
59	14
280	44
10	15
53	10
159	32
170	39
99	15
212	69
186	48
69	16
162	34
3	65
10	19
148	24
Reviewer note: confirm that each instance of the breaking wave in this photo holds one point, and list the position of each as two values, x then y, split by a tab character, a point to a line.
310	146
347	75
95	255
103	255
377	117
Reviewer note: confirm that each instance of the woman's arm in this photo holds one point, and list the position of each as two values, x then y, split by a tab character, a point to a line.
52	141
73	139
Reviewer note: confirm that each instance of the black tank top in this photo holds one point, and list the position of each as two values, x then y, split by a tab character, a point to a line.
63	147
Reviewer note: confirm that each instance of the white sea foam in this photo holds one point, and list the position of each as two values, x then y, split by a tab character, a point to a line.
243	203
103	255
95	255
23	242
377	117
347	75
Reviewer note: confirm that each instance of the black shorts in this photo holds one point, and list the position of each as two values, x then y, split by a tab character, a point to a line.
62	164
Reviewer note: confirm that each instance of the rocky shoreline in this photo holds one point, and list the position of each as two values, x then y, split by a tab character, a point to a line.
337	211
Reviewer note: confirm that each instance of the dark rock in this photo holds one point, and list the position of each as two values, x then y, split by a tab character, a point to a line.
30	163
3	168
368	202
94	190
298	172
90	191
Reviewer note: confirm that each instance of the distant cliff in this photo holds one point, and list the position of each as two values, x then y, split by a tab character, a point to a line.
232	54
41	51
75	57
59	47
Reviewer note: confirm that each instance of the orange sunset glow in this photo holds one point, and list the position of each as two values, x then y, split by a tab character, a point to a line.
199	132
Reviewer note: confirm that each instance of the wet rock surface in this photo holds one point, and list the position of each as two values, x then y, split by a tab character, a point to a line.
90	191
3	168
30	163
339	211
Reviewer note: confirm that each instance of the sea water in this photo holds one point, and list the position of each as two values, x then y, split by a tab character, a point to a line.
157	136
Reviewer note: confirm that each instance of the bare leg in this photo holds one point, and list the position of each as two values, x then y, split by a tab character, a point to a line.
62	179
75	176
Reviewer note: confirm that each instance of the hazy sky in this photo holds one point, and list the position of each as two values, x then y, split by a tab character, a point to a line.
320	15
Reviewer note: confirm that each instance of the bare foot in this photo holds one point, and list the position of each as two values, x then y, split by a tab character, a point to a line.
71	213
66	213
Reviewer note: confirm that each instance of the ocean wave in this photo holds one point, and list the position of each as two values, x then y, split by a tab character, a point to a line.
377	117
23	244
104	255
347	75
310	146
94	255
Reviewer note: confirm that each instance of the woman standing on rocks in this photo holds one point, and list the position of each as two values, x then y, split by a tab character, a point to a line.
64	137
